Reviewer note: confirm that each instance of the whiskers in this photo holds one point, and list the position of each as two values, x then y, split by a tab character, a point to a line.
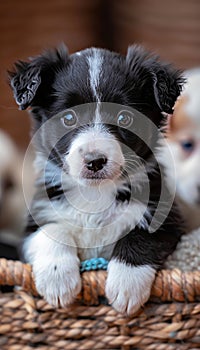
132	162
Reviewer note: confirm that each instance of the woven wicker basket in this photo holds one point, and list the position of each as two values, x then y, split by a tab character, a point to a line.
170	320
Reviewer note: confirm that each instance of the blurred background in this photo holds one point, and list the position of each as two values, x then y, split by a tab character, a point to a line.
170	28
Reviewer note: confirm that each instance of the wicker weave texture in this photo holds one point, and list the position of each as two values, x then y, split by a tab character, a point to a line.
28	322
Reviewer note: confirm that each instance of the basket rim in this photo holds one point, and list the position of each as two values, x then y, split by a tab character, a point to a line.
169	285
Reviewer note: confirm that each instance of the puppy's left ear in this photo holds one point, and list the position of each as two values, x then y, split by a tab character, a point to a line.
167	84
163	79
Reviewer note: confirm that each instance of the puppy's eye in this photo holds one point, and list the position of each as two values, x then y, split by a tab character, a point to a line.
187	146
69	119
124	119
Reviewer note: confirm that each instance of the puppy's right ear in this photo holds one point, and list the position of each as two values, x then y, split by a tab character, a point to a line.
28	78
25	82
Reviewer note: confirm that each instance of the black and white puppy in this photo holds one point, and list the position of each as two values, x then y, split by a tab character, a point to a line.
98	182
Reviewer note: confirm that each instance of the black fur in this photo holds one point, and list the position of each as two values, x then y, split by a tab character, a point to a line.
55	81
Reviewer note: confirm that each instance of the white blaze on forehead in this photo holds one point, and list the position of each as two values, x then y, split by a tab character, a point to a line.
97	118
95	62
78	53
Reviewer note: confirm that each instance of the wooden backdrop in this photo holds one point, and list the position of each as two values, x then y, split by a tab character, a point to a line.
172	28
29	26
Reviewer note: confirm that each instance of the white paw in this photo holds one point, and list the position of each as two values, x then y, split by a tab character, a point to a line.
59	282
128	287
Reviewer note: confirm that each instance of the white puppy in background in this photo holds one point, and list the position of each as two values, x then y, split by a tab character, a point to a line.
183	137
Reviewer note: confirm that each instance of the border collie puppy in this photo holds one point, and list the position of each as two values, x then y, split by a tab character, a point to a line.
99	190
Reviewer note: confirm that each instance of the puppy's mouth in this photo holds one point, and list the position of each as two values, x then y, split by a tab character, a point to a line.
97	176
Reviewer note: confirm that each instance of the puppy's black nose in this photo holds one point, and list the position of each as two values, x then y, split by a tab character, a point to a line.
95	161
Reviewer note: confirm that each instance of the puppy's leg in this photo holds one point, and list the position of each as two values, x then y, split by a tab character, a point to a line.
128	287
55	265
132	269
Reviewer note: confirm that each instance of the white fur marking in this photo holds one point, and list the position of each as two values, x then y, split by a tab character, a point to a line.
55	267
91	140
128	287
95	66
98	117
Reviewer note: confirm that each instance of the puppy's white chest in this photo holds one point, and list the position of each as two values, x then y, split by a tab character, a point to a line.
92	221
95	228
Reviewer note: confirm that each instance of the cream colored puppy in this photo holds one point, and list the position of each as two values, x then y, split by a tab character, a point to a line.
12	190
183	137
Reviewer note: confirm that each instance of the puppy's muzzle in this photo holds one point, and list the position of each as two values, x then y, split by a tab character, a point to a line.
95	161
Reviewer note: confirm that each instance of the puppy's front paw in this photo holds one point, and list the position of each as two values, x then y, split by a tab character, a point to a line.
59	282
128	287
